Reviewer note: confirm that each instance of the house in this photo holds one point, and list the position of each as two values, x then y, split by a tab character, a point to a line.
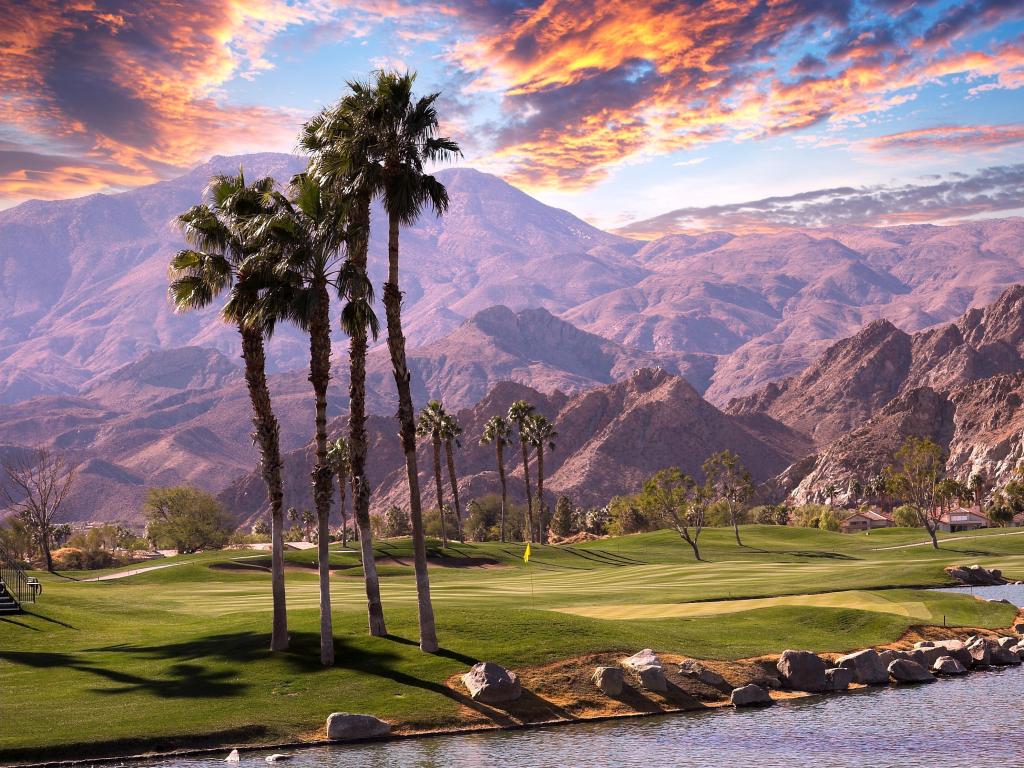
963	519
865	520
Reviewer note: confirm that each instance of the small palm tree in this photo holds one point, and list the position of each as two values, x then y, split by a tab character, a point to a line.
220	259
431	425
450	432
337	457
498	431
540	432
518	413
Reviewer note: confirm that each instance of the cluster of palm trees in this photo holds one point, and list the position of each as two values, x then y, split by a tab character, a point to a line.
280	257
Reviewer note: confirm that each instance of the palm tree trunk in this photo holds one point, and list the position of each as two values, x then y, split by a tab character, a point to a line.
341	506
455	490
540	493
407	422
529	492
499	449
357	443
319	376
266	435
440	489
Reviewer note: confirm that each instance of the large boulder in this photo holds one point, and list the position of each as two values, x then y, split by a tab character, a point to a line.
838	678
646	667
976	576
492	684
1019	628
803	671
947	665
981	653
697	671
1003	656
866	666
928	655
609	679
889	656
1019	650
1007	642
343	726
958	650
907	671
750	696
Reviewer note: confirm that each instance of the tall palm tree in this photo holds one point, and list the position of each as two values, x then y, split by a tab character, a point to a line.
337	457
219	260
518	413
431	425
450	432
402	138
336	143
498	431
540	431
303	236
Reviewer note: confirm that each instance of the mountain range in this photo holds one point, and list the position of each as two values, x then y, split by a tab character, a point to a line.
780	346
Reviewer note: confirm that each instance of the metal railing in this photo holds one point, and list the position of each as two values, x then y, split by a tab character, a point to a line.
24	589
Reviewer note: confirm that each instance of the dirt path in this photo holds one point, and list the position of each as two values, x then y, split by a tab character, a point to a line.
951	538
134	572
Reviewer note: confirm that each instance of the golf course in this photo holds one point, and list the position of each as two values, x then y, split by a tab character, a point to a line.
178	656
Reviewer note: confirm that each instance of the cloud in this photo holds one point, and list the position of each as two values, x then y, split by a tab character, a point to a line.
950	138
955	196
588	86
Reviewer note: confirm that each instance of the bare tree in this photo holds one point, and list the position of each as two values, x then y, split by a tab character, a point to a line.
917	475
36	488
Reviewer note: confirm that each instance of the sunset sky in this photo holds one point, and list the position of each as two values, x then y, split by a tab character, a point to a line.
655	117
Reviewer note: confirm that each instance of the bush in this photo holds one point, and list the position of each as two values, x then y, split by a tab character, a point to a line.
628	517
567	520
186	519
905	517
76	559
808	515
393	523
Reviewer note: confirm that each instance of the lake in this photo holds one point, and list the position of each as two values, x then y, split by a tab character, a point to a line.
954	723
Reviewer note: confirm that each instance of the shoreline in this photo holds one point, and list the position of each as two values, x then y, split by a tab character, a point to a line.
911	635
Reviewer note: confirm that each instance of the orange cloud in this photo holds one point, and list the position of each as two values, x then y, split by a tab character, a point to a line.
951	138
588	86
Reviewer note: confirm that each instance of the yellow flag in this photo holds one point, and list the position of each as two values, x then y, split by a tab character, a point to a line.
526	554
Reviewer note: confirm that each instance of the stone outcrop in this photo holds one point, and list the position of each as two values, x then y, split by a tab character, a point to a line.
907	671
492	684
887	657
976	575
1002	656
866	666
981	652
803	671
646	668
609	679
343	726
697	671
947	665
750	696
838	678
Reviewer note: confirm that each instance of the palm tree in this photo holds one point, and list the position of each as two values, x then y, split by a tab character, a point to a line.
401	138
219	260
450	431
303	236
498	431
518	413
336	146
337	457
540	431
431	424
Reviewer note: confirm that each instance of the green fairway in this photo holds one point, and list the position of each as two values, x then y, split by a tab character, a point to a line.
178	655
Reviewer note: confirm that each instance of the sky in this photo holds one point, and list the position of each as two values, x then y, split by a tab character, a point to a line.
644	117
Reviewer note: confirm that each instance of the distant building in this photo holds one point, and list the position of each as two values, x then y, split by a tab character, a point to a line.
865	520
963	519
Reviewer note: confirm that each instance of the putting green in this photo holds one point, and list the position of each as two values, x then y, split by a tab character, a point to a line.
859	600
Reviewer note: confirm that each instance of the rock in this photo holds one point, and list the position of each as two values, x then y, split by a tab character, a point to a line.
698	671
491	683
958	650
981	655
646	666
803	671
924	644
947	665
888	657
927	656
750	696
976	576
278	758
839	678
769	682
1003	657
907	671
233	757
609	679
1008	642
866	666
342	726
1019	650
1019	629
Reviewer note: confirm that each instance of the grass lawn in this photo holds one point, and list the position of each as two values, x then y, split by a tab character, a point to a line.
177	656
